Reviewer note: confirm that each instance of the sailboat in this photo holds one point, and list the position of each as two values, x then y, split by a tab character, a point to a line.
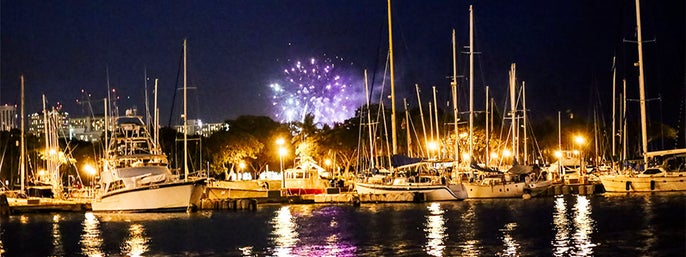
416	178
667	171
136	175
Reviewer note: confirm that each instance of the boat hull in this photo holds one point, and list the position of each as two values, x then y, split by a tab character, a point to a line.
509	190
643	183
177	196
431	192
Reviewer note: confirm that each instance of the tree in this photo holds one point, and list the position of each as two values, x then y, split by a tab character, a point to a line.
230	148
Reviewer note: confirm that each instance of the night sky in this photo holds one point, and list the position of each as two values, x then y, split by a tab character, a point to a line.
236	49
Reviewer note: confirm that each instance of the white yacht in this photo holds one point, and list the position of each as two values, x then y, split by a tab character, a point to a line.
136	176
668	175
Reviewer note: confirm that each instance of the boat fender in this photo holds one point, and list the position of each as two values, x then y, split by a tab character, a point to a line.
652	185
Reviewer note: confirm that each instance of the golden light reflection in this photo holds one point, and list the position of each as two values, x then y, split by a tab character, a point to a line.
511	245
584	227
137	243
561	225
435	230
573	228
57	247
471	246
285	235
91	241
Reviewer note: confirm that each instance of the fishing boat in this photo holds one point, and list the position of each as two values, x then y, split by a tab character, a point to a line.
664	170
136	176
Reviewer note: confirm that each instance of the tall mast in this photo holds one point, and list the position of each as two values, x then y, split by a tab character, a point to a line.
513	111
641	85
614	108
421	115
407	129
22	156
157	120
438	134
471	82
369	122
454	89
390	52
624	134
526	155
431	125
487	152
185	117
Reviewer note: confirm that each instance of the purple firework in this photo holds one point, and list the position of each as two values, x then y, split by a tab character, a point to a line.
316	87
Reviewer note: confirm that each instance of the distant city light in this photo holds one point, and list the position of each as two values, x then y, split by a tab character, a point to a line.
318	87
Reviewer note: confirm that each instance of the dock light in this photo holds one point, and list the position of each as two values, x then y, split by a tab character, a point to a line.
579	140
241	165
327	162
466	157
575	152
41	173
494	155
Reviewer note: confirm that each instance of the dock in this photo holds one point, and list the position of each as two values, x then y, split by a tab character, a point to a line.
13	205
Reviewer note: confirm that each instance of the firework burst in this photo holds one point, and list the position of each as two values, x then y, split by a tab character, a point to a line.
317	87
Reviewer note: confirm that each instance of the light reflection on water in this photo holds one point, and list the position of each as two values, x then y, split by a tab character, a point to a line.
137	242
573	228
435	230
284	236
91	242
57	247
559	226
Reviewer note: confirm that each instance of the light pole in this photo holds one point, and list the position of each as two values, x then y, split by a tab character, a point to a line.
580	141
282	152
91	171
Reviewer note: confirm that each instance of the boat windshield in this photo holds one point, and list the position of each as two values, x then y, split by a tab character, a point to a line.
139	171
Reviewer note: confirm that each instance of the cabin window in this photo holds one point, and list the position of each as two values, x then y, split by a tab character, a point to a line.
116	185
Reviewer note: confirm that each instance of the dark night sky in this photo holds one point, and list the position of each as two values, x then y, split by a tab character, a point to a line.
563	49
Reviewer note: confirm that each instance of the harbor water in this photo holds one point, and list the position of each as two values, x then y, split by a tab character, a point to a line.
570	225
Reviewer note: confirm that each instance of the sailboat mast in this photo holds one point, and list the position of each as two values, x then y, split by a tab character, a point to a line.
390	52
526	155
641	85
624	134
454	89
487	152
421	115
513	113
157	120
369	122
185	117
471	82
614	108
22	156
407	129
438	133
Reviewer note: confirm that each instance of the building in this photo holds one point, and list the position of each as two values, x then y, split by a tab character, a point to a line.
197	127
36	123
88	128
8	117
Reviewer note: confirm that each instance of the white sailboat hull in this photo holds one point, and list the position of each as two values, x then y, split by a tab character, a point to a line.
431	192
509	190
176	196
644	183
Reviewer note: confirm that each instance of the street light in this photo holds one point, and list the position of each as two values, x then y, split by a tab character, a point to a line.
282	152
91	171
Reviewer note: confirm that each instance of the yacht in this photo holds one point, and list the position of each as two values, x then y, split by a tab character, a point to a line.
419	177
136	177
